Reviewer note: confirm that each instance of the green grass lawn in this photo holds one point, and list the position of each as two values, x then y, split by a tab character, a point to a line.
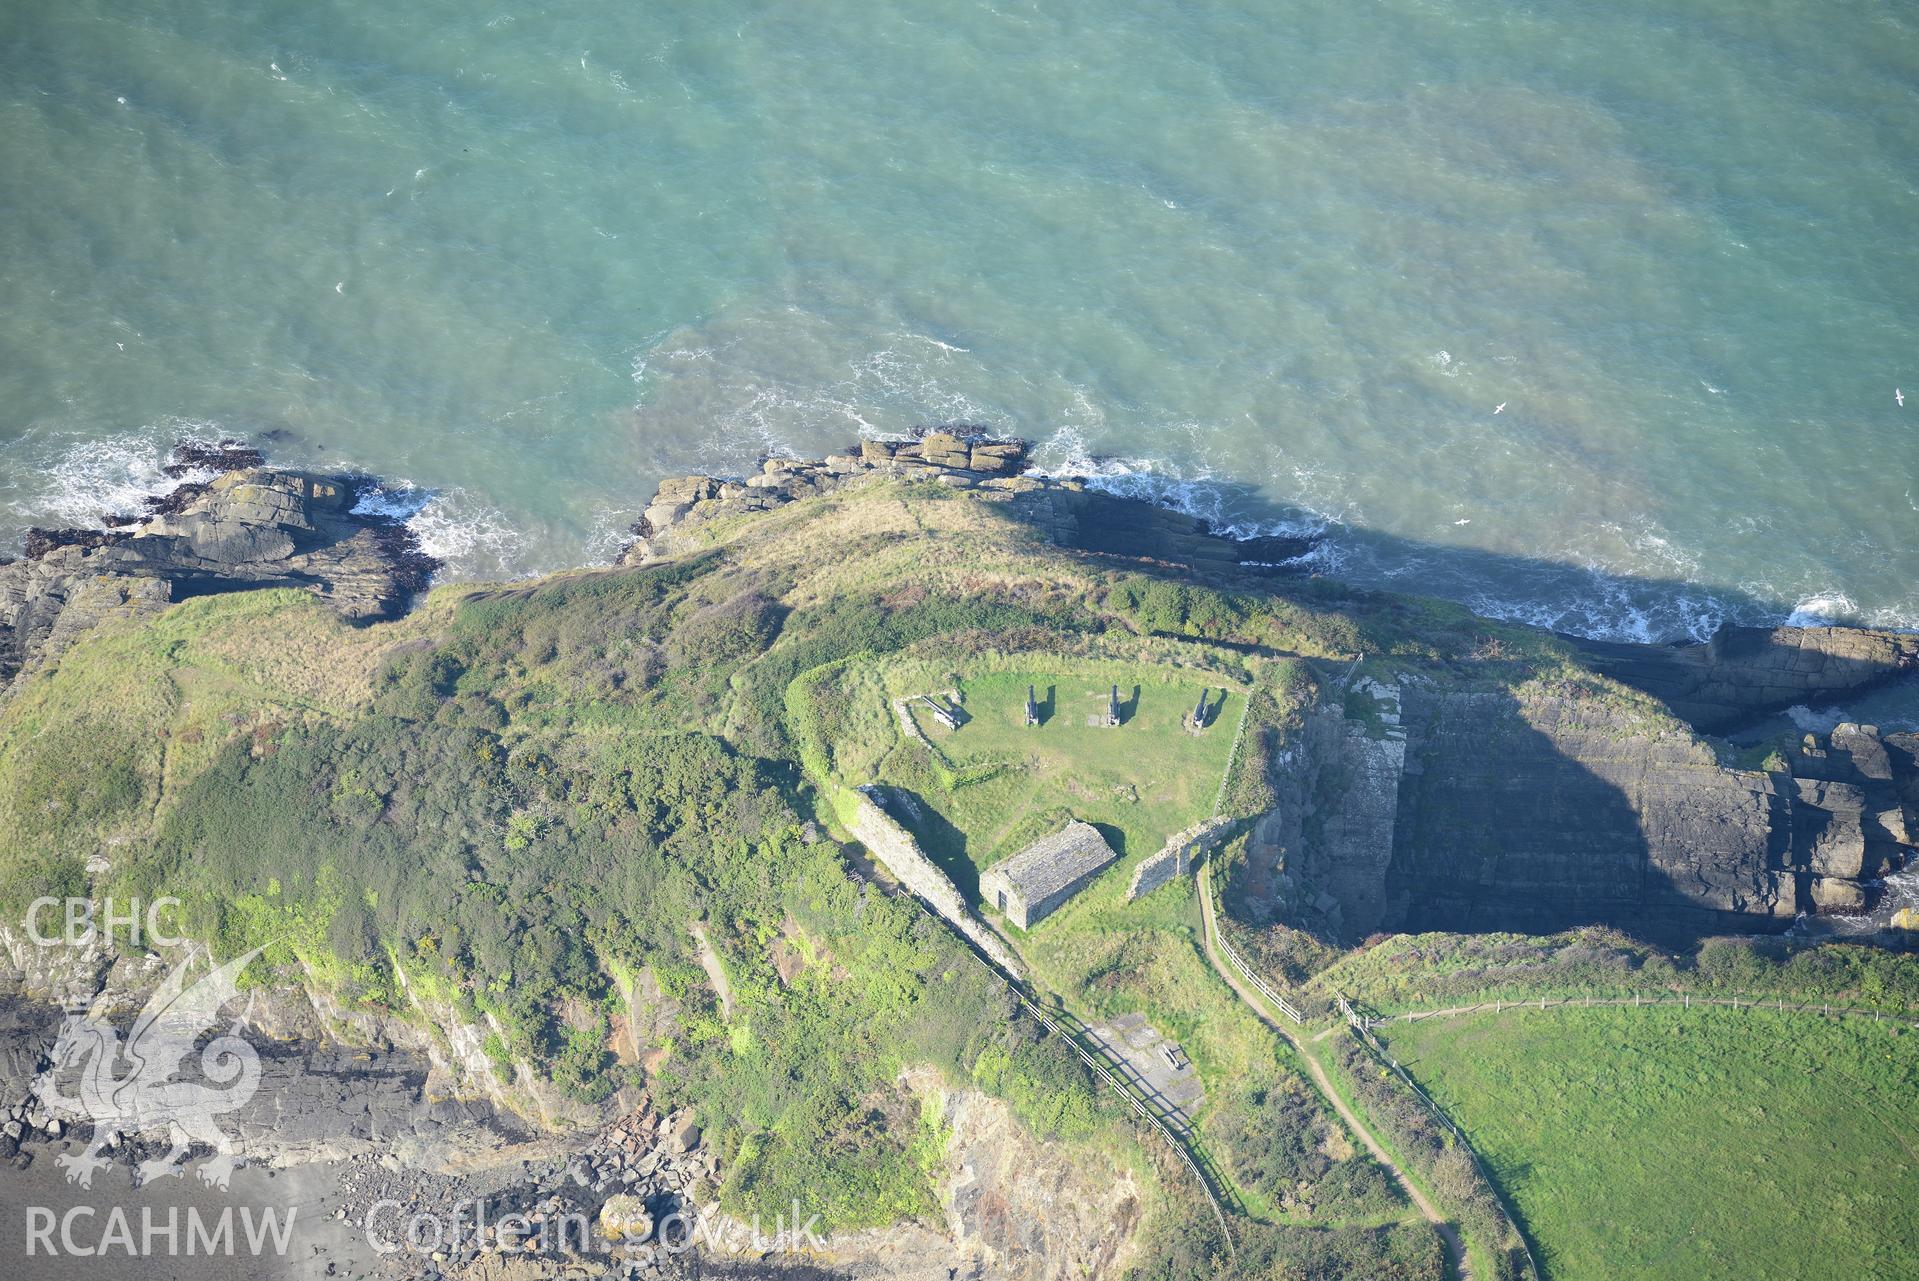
1678	1144
1003	783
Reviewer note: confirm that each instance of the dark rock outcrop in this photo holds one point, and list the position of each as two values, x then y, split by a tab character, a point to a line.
1481	810
1065	510
250	526
1540	812
1746	672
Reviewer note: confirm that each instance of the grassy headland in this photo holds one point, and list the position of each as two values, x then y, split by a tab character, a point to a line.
531	808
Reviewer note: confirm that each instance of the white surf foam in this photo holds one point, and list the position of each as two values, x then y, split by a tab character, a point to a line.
94	478
790	384
1197	493
1820	722
611	529
472	538
1823	609
1607	607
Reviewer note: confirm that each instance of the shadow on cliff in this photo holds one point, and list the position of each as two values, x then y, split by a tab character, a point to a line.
1562	595
1541	816
1509	816
1676	664
1527	818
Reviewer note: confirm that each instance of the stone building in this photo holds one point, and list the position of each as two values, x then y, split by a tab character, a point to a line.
1032	884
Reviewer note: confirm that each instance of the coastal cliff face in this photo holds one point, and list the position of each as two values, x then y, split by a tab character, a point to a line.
1746	671
1532	811
1447	806
334	1085
554	856
1010	1209
376	1103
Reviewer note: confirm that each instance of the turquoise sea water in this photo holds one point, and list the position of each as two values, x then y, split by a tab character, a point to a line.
532	257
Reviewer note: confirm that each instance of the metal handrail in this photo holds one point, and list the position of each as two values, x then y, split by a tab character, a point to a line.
1232	954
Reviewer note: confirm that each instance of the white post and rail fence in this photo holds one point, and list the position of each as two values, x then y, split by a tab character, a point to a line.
1252	976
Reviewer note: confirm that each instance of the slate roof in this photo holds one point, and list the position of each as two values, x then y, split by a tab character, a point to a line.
1054	862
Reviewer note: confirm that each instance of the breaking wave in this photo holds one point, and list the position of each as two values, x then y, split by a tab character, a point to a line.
471	537
95	478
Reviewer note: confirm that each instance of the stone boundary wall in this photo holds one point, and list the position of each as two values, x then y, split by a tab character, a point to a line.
901	855
1177	858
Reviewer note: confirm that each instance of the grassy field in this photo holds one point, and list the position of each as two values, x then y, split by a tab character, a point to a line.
998	783
1690	1144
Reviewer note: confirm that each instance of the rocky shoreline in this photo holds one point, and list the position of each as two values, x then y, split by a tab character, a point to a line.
231	523
1420	798
634	1198
376	1118
1692	843
367	1117
234	523
1066	510
1741	674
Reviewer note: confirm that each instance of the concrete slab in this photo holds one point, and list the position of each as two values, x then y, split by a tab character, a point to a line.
1141	1052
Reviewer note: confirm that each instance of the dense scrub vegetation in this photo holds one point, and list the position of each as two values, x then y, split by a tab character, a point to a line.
517	826
1185	1244
86	754
1320	618
1433	1155
559	810
1273	1134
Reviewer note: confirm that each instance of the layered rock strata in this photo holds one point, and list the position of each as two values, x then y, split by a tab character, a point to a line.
1535	813
248	526
1746	672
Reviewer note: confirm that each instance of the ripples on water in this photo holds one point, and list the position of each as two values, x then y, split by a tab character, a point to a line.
1276	265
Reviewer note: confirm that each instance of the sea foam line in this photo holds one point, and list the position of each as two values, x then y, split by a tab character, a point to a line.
114	476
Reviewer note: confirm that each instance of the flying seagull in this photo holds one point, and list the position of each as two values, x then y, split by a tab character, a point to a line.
1500	408
1899	398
